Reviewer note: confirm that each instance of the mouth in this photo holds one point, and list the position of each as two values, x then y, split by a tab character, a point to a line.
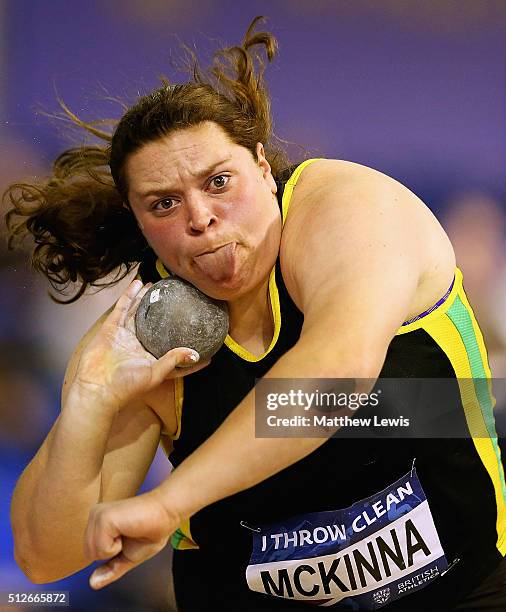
215	250
218	264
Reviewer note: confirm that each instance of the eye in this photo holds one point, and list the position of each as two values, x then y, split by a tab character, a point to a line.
220	181
165	204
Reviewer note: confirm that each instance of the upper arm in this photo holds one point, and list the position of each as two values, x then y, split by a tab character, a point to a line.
352	260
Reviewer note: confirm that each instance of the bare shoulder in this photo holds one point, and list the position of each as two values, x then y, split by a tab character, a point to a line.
343	178
357	213
336	167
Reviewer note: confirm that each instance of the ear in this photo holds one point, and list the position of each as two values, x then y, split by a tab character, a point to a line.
265	167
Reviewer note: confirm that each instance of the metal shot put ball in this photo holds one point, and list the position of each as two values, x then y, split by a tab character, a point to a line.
174	313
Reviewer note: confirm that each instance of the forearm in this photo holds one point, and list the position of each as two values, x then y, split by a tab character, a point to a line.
233	458
53	497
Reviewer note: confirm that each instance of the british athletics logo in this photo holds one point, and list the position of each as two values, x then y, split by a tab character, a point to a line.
365	556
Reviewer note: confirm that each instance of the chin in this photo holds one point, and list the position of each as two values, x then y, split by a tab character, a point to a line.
238	285
223	290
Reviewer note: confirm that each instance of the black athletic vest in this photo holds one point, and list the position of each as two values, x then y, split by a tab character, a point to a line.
463	479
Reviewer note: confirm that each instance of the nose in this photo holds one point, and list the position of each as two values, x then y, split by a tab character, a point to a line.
200	215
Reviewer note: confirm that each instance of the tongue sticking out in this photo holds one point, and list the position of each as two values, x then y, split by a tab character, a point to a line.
218	265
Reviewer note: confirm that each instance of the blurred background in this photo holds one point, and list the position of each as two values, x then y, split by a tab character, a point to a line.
413	89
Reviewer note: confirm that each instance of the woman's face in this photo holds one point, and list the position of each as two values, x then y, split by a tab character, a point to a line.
207	208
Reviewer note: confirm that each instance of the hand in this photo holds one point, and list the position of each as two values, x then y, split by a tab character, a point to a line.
116	367
130	531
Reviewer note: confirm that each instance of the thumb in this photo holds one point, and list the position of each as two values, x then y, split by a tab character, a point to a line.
134	553
176	357
111	571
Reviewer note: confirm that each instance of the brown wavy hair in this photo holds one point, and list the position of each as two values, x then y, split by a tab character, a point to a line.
79	216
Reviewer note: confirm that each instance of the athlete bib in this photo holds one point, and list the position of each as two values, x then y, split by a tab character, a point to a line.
360	558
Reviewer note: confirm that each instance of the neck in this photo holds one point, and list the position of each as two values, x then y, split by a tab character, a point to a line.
251	323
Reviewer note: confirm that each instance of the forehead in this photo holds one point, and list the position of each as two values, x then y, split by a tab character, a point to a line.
182	153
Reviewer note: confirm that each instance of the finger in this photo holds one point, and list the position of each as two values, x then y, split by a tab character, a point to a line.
105	548
130	318
136	301
102	539
176	357
133	554
111	571
182	371
119	313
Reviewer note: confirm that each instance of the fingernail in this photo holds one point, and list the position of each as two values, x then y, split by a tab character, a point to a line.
192	357
99	576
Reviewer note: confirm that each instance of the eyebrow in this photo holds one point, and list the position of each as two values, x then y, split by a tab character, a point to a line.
167	189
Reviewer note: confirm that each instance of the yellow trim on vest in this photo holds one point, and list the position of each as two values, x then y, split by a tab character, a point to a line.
478	334
290	184
439	311
186	542
480	341
234	346
276	315
178	403
166	442
447	336
165	436
160	268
